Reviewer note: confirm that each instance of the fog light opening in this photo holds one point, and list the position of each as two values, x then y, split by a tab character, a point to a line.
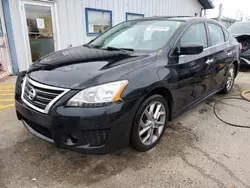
71	139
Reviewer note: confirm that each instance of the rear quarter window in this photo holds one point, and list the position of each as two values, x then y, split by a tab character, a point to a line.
216	34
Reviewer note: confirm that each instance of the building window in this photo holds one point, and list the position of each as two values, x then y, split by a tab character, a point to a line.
132	16
97	21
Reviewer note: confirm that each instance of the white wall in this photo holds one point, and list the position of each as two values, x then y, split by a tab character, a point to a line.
22	58
72	14
71	18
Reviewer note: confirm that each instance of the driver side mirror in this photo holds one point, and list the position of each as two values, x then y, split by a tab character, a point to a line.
189	49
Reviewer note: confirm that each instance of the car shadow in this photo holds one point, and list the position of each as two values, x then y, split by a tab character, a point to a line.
42	160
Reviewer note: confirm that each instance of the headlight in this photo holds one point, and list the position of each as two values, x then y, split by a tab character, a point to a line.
100	94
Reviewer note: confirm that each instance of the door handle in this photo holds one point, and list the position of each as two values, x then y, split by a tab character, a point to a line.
209	61
229	53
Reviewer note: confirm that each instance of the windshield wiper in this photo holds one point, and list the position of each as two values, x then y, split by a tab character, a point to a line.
109	48
92	46
86	45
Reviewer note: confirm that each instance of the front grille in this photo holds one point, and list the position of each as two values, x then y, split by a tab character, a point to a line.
40	97
97	137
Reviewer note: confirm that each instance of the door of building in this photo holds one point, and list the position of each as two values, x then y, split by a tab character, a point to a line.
39	26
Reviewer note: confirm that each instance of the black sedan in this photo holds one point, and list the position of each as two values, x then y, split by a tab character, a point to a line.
123	87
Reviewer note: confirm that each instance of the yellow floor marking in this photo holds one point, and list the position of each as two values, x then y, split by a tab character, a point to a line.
6	100
6	90
6	106
7	94
8	86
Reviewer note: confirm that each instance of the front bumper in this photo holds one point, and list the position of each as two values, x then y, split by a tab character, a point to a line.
87	130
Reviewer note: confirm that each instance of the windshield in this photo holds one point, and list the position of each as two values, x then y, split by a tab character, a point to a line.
240	28
138	35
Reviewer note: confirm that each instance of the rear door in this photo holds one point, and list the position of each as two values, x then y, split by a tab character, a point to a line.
222	53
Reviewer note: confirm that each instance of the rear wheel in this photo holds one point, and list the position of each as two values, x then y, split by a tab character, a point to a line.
150	123
229	80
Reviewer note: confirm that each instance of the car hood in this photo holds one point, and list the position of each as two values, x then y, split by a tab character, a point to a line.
81	67
242	37
240	34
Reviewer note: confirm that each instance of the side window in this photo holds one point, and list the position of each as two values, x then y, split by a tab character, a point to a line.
195	34
226	34
216	34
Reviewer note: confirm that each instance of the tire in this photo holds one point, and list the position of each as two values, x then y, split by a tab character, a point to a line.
155	129
229	80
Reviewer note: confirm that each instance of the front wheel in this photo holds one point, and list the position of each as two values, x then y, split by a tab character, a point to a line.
229	80
150	123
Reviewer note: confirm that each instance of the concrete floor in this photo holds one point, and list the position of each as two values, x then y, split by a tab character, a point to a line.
197	150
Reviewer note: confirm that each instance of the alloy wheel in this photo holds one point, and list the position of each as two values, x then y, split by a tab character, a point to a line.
230	78
152	123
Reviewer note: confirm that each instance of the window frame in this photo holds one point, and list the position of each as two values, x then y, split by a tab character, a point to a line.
132	14
87	10
210	40
226	32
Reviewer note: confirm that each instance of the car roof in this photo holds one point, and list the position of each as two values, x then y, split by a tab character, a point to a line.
183	18
177	18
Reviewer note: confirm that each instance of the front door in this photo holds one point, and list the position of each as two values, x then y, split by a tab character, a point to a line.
195	72
39	28
200	66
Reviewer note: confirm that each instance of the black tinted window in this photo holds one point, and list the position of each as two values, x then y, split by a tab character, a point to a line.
195	34
216	34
